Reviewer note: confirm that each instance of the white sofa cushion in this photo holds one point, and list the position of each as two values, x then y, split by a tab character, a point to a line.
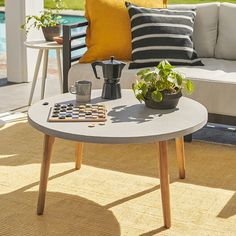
215	70
205	26
226	42
215	83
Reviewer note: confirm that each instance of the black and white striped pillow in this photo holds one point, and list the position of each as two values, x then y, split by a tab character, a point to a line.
159	34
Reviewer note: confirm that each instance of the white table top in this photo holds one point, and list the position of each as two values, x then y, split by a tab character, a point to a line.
128	120
42	44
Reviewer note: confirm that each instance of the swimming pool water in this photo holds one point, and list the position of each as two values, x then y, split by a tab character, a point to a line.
2	33
66	19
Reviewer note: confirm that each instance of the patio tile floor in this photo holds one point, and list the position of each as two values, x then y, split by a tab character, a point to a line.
3	69
15	96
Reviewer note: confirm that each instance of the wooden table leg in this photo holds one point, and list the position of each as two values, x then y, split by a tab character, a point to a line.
180	156
164	183
48	144
78	155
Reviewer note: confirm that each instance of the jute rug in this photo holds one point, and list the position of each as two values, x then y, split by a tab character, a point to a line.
117	190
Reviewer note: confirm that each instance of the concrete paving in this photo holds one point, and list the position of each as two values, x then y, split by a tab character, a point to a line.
15	97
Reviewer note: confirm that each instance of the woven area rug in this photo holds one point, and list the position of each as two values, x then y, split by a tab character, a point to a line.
116	192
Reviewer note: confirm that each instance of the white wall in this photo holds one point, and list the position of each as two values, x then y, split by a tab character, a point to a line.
17	55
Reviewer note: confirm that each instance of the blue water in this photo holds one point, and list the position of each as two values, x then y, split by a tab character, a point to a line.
2	33
65	20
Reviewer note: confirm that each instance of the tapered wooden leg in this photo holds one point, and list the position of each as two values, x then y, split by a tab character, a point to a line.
180	156
48	144
78	155
164	182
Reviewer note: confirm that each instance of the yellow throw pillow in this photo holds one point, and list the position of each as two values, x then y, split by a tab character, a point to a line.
109	31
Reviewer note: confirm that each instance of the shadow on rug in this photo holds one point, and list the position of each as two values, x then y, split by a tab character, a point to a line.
117	190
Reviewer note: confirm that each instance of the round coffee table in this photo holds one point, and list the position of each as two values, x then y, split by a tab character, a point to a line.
128	121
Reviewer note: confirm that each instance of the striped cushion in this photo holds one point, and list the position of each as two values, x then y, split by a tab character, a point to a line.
159	34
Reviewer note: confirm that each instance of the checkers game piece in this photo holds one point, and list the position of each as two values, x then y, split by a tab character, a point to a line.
77	113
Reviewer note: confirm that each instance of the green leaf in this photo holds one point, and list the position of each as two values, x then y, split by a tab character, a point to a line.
189	86
140	90
157	96
149	77
139	96
161	65
143	72
165	65
179	79
160	85
144	88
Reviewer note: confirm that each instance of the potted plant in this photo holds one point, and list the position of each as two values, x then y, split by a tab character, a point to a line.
48	21
161	88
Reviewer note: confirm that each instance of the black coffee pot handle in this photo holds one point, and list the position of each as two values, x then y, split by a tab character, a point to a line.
94	64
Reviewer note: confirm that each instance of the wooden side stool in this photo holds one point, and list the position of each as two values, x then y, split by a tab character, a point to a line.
44	47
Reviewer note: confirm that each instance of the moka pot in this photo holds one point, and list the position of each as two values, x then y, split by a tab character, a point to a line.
111	72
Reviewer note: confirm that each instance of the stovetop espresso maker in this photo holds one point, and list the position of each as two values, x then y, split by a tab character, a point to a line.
111	72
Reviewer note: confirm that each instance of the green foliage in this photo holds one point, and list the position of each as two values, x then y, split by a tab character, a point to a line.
68	4
47	18
162	79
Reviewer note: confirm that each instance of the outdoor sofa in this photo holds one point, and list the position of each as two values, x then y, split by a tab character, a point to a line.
215	42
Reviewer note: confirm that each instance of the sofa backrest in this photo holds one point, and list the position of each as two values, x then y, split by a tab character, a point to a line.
205	26
226	42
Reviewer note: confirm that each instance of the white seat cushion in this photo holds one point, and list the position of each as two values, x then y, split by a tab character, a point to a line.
215	70
215	83
226	42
